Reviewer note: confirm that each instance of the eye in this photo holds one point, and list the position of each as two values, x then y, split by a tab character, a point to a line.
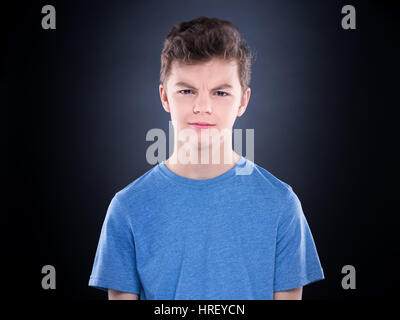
185	91
222	93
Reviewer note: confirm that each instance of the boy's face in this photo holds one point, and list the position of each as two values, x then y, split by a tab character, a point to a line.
208	92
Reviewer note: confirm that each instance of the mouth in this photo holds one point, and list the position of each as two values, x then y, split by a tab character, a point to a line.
201	125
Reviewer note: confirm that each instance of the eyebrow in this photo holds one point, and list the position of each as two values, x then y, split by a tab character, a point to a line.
186	85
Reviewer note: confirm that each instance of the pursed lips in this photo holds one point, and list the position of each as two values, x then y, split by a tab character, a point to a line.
201	125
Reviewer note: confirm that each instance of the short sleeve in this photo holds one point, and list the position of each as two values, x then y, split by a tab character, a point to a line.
296	260
115	261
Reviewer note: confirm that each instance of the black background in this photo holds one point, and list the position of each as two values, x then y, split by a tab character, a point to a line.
79	100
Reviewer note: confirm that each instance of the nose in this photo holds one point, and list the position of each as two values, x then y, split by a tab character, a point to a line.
202	104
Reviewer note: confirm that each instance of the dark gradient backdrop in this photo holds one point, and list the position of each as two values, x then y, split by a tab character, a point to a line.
79	100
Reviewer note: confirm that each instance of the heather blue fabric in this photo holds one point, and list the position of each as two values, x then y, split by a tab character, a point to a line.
241	235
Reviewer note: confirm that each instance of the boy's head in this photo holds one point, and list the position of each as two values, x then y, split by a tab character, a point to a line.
204	38
205	73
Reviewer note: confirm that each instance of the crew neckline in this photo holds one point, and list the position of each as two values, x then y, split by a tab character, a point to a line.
202	182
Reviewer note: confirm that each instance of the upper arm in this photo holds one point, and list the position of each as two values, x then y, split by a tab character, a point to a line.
119	295
296	258
115	261
292	294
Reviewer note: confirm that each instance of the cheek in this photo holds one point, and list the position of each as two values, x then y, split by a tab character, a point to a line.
180	99
226	115
180	110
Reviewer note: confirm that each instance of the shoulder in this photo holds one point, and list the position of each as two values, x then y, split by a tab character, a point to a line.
141	189
280	191
270	181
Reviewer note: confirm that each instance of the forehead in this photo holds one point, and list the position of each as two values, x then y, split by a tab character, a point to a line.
214	70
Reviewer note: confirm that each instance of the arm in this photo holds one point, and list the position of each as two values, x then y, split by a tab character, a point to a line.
119	295
292	294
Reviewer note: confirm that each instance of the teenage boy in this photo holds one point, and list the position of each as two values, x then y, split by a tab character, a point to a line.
211	225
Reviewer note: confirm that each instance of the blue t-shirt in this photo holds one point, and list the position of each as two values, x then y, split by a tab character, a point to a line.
238	236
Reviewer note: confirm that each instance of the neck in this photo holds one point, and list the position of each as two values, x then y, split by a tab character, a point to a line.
201	164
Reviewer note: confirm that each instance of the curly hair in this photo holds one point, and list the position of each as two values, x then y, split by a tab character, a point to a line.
202	39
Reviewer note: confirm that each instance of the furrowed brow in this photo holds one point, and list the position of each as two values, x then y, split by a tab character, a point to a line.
186	85
223	86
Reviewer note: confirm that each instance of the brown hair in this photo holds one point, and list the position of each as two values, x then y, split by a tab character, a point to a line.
202	39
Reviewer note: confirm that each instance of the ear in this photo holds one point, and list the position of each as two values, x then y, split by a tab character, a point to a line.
244	102
164	98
